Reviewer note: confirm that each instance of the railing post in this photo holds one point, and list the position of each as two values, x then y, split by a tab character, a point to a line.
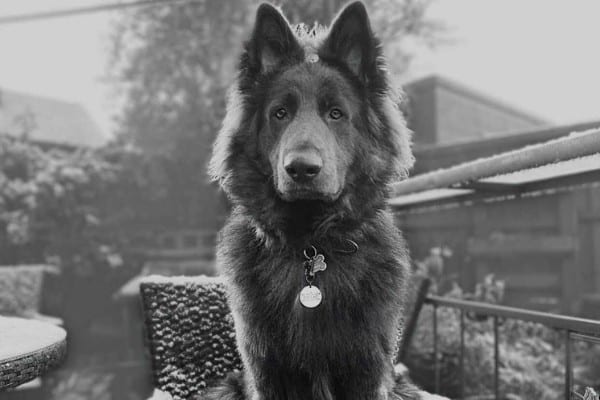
462	354
435	350
567	364
496	361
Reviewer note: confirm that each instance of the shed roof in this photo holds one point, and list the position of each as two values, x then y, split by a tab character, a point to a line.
48	120
465	91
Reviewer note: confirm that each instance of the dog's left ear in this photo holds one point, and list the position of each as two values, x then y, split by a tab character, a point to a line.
352	42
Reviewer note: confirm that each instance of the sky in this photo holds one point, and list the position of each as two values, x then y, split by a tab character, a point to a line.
63	58
542	56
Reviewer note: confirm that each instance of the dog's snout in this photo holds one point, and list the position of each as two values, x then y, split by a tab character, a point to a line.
303	167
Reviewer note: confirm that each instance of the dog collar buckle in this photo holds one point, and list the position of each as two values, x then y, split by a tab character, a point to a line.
312	58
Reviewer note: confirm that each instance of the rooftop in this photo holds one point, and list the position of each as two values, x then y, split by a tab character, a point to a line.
466	91
47	120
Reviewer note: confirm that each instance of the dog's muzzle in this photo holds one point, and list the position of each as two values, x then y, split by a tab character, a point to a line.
302	174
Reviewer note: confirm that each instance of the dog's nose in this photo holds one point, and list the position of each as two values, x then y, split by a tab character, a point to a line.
303	167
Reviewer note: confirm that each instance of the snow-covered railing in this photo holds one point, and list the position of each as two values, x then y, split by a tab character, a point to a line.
570	160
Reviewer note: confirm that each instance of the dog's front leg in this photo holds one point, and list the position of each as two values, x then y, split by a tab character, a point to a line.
273	381
367	376
266	378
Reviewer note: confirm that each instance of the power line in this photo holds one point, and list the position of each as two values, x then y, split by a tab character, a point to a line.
14	19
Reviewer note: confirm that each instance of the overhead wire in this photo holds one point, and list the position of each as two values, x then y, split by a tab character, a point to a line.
77	11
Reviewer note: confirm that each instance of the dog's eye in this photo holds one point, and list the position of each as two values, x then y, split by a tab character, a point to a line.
335	113
281	113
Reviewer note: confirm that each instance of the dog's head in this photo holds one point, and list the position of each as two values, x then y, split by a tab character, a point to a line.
312	115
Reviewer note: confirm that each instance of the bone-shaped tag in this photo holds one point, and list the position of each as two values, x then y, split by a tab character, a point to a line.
318	263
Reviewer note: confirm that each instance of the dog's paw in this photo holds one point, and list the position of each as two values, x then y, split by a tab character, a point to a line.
160	395
428	396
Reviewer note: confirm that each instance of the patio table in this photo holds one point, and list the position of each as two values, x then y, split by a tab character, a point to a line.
28	348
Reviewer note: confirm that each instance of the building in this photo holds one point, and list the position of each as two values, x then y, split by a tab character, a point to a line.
441	111
47	120
542	246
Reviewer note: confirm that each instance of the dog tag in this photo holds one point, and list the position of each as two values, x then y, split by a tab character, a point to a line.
310	296
318	263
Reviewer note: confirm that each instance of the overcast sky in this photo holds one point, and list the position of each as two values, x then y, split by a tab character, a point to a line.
540	55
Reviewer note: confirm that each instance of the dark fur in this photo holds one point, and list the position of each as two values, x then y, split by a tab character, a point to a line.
343	348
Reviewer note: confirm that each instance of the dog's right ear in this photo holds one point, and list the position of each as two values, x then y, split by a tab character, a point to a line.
272	43
352	41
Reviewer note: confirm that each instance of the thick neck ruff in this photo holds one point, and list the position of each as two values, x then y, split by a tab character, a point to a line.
313	260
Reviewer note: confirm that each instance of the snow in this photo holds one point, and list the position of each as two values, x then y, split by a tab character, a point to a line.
548	171
589	161
132	287
181	280
20	336
427	195
160	395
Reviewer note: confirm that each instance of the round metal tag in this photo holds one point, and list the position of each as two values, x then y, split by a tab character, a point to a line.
310	296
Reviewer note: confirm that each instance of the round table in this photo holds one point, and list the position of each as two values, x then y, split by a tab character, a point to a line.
28	348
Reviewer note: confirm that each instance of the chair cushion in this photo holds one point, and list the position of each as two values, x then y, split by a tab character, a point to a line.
190	333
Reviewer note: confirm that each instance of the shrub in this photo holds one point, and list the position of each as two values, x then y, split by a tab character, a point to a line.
531	358
531	361
20	290
49	202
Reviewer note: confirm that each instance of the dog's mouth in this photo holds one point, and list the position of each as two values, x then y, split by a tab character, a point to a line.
307	193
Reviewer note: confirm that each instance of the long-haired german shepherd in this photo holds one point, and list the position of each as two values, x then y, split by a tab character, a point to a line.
315	268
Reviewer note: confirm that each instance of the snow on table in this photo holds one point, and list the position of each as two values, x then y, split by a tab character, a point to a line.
20	337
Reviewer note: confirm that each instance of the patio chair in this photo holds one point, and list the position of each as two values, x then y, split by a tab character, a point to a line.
24	291
191	336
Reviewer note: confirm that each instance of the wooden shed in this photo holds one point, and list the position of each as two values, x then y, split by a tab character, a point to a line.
543	240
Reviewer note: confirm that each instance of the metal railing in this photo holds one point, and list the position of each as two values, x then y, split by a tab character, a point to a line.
574	329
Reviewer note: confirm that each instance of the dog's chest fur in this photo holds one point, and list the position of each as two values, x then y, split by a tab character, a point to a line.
362	297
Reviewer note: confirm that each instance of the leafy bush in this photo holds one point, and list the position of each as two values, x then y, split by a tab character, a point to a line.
49	202
20	290
531	358
586	370
531	363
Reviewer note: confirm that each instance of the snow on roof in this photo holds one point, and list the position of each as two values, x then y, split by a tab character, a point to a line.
428	195
549	171
576	154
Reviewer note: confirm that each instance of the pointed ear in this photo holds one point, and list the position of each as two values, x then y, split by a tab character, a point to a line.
352	42
272	42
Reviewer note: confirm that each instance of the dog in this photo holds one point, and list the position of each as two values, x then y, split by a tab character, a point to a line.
315	268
